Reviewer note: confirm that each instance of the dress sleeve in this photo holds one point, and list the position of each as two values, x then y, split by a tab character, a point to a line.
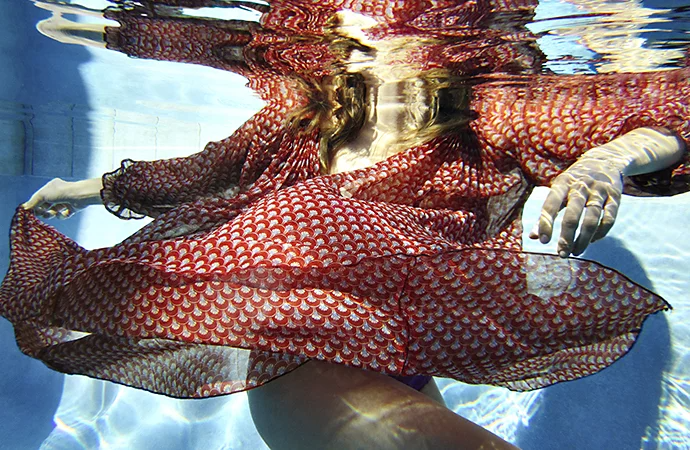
546	124
670	181
223	169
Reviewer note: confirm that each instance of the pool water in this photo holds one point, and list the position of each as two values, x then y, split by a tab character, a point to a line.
75	112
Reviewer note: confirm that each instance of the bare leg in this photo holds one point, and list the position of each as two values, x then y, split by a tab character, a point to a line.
431	391
328	406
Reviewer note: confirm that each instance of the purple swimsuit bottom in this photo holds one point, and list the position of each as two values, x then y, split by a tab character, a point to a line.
416	382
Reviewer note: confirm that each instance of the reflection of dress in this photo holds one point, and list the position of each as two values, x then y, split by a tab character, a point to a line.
255	264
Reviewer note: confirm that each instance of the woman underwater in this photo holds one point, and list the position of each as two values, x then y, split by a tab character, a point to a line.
368	217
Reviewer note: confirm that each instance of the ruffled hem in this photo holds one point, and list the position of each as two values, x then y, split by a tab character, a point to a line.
115	189
171	318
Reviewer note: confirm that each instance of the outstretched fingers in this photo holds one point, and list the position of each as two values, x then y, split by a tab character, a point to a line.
608	219
47	210
577	198
34	202
591	203
554	202
590	223
593	185
54	199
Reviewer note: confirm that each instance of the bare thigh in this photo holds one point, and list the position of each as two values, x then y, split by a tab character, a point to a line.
328	406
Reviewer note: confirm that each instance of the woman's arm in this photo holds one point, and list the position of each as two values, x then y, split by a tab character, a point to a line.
223	168
61	199
593	185
149	188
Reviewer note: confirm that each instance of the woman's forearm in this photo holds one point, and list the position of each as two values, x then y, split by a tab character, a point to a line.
640	151
87	192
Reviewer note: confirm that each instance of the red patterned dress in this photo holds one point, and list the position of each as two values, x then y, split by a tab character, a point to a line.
256	263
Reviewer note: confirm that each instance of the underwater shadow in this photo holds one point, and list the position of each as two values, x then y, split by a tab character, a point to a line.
39	79
617	407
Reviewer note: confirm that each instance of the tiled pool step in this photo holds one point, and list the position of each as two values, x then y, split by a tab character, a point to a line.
74	141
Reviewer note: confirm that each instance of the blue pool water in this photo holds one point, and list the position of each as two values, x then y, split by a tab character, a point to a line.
75	112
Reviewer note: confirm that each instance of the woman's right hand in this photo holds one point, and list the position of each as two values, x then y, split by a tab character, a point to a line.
62	199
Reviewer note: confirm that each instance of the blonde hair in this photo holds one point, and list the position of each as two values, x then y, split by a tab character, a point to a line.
340	110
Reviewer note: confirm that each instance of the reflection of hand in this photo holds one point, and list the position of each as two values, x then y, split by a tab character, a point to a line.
591	185
61	199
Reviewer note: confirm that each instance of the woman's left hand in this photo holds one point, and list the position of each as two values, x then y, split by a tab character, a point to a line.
592	186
